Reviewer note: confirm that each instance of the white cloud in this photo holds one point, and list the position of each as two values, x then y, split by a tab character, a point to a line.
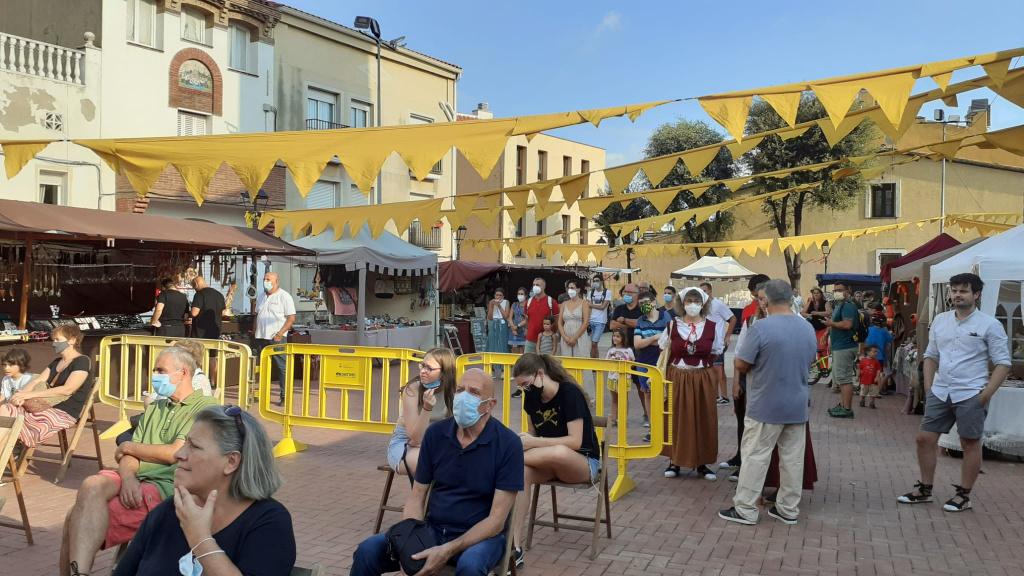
609	22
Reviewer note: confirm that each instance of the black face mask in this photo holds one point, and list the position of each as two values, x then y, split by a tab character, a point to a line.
534	390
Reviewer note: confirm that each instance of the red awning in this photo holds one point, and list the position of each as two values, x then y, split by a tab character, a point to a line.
67	224
938	244
455	274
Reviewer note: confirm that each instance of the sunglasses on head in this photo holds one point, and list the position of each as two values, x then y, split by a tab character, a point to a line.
236	413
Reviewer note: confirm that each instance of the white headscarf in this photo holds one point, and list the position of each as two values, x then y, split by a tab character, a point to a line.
703	294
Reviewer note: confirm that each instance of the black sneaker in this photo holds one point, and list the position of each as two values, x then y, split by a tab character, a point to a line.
517	393
733	516
774	513
960	502
722	401
922	495
520	559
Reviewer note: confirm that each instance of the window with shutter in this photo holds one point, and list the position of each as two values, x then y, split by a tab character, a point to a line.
191	124
193	26
355	197
239	47
323	195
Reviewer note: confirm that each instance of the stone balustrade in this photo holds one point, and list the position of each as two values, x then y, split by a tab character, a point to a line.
26	56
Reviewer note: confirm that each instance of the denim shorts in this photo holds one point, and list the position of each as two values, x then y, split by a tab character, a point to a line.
720	361
595	468
596	330
396	447
642	382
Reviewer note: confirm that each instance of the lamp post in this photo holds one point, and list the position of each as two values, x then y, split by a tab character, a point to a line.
460	237
825	251
367	23
252	218
940	118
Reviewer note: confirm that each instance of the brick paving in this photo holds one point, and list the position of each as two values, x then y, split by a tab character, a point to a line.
849	525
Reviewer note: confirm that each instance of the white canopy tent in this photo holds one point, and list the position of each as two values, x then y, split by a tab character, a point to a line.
999	264
714	268
386	254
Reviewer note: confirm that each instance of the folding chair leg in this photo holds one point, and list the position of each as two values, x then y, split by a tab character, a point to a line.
16	480
607	507
597	528
383	501
533	515
554	508
96	437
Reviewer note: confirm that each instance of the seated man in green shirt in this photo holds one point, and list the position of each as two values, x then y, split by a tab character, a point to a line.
111	505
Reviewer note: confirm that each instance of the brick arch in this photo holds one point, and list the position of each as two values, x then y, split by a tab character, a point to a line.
182	97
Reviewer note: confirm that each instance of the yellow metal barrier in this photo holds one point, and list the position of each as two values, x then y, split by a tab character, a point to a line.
599	369
328	373
126	364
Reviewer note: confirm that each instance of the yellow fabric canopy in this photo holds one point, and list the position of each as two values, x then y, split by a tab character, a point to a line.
361	150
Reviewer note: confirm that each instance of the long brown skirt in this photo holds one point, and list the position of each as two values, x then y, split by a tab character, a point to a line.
810	467
695	418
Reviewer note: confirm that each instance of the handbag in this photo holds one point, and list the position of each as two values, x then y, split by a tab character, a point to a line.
408	537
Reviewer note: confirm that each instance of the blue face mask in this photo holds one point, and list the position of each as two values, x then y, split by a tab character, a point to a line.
465	408
189	566
162	385
668	298
268	286
431	385
627	298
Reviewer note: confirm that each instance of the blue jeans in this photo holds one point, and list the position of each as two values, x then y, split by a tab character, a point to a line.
280	360
371	557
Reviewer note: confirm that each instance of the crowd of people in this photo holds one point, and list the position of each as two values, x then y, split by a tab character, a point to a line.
195	480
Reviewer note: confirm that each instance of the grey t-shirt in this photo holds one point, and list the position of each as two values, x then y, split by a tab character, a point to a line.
781	348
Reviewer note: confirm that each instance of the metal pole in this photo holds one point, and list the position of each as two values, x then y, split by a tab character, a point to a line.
629	265
380	193
26	271
942	201
361	309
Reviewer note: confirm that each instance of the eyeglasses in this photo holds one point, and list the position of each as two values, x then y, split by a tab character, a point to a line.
236	413
425	368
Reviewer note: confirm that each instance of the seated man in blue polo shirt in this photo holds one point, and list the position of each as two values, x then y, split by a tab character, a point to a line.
476	465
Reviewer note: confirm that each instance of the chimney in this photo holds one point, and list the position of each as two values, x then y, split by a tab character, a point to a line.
483	111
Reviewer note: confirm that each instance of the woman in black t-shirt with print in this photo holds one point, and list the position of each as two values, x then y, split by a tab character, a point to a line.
561	444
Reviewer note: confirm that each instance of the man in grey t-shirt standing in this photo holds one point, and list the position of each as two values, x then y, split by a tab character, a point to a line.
775	356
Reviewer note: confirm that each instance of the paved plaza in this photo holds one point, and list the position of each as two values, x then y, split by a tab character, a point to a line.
850	524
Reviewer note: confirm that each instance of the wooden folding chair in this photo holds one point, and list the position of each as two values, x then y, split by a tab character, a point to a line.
67	447
506	563
386	495
12	427
314	570
596	520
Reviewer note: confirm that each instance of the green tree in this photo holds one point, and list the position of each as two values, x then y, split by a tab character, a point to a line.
671	139
810	148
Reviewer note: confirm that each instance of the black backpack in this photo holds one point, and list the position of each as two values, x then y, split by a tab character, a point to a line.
860	324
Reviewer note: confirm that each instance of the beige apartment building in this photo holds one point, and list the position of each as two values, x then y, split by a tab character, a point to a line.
976	181
523	162
326	78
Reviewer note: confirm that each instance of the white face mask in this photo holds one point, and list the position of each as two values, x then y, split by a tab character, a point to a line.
571	293
521	298
693	309
839	295
536	290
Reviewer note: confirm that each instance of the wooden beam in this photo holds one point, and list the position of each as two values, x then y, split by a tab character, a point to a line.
26	269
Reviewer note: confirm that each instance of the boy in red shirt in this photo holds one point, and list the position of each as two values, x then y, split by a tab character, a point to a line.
869	374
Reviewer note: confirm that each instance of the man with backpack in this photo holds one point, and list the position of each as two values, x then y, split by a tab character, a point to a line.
538	307
847	331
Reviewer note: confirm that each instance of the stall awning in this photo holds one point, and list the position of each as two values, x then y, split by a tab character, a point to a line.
714	268
457	274
387	254
938	244
64	223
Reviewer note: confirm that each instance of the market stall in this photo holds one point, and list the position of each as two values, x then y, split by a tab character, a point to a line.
376	292
99	270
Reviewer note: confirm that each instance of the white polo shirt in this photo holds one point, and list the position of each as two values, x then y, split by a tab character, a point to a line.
272	310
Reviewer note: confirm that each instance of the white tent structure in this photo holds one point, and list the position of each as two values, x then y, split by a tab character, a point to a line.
999	264
713	268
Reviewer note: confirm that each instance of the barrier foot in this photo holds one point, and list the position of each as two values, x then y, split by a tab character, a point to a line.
117	428
622	486
288	446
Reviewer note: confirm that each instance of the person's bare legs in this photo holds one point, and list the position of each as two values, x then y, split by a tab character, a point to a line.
971	463
719	371
927	442
85	528
412	457
847	397
542	465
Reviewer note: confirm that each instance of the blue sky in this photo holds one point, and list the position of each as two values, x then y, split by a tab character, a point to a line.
533	57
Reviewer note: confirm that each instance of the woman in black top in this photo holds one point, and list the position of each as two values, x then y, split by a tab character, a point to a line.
171	308
222	516
816	310
561	444
54	400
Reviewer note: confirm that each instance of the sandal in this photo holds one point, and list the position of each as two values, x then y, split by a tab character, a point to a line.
75	572
923	494
706	473
952	505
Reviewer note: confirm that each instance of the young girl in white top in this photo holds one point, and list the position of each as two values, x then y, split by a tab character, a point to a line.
620	350
15	363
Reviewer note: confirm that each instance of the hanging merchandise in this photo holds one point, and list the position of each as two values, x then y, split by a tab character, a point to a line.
403	285
384	288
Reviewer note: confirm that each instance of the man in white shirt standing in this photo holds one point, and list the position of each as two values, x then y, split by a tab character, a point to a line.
275	314
725	321
961	343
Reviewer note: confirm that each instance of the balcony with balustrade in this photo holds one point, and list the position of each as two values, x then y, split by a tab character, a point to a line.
429	238
34	58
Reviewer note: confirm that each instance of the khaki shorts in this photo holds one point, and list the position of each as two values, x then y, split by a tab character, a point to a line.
869	390
843	364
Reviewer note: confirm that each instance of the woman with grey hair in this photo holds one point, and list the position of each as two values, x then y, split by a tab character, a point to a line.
223	518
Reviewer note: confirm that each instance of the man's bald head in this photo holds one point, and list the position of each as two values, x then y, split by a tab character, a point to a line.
199	283
478	383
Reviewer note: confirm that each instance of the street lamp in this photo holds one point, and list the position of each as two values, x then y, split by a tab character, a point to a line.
460	237
825	251
367	23
940	118
252	217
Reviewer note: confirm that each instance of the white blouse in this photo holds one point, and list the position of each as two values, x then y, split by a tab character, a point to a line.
687	333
